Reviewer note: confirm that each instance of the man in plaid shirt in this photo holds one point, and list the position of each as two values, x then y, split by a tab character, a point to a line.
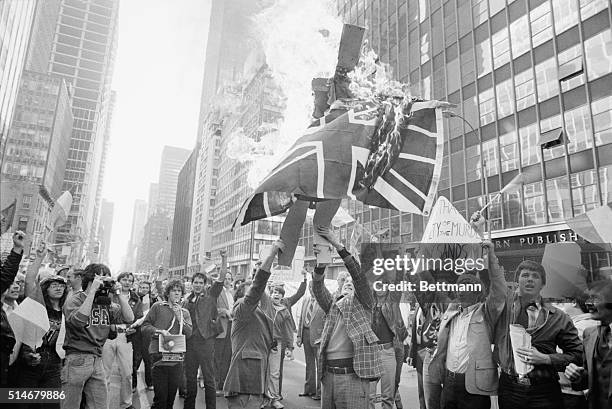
349	352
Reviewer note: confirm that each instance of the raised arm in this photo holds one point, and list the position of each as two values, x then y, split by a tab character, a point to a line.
248	304
217	286
33	290
300	292
321	293
10	267
363	291
496	299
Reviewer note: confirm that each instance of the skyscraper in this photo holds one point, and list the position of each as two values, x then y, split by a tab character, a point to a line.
179	250
139	219
16	17
83	52
533	80
105	230
172	161
153	199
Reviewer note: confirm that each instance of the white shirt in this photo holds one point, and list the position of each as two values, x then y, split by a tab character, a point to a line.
457	354
229	297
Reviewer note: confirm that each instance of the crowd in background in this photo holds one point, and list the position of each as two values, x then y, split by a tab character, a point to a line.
233	336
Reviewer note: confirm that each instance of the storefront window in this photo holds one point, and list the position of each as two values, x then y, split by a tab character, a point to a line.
559	205
584	191
541	24
566	14
508	150
602	120
519	35
598	55
547	79
534	204
525	90
578	128
530	150
505	99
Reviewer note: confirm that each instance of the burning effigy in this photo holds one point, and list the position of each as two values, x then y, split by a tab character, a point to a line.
369	140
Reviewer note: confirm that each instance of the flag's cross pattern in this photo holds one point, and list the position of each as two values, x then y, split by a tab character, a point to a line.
328	162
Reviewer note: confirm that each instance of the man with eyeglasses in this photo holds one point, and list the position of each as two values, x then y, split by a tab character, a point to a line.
596	371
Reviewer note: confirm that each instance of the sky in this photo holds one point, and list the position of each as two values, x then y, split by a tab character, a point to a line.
158	79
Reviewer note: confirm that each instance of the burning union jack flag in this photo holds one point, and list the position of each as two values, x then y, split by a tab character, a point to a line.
347	154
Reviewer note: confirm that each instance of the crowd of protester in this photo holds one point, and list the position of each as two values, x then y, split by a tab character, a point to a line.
236	335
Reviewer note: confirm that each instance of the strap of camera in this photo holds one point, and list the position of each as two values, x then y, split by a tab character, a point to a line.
180	324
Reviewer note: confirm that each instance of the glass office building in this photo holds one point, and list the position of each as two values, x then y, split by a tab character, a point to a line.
534	81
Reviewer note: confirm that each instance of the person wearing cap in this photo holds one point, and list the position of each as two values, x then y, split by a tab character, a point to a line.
41	367
549	328
120	347
8	271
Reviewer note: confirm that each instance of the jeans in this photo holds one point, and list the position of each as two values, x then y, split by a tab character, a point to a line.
47	374
84	374
387	380
274	365
431	390
455	396
345	391
166	379
540	396
120	349
200	353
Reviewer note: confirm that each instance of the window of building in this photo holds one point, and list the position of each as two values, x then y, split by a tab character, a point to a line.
479	11
547	80
530	150
558	196
472	163
501	48
598	55
566	14
525	90
486	105
467	66
602	120
519	36
508	151
22	224
490	152
453	75
483	57
512	209
578	128
570	68
541	24
444	176
584	191
425	46
605	176
26	201
505	98
534	204
548	125
457	168
470	111
589	8
450	27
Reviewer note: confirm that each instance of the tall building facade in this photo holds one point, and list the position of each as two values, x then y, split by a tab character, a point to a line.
16	17
172	162
179	250
230	40
154	250
83	45
259	111
139	219
105	229
534	81
32	171
153	199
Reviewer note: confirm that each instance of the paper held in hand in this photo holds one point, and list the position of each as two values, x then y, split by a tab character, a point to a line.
520	339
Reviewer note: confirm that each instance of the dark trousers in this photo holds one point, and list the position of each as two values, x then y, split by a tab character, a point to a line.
311	385
574	401
47	374
166	379
418	364
141	354
455	396
223	356
513	395
200	353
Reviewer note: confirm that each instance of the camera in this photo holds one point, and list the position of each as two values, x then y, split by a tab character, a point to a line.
103	293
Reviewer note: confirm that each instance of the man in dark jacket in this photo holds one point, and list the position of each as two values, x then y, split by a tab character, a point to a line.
8	271
252	335
202	306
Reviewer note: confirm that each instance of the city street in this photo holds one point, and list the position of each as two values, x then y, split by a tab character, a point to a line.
293	382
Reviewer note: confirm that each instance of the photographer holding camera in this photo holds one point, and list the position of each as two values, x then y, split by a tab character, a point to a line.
89	316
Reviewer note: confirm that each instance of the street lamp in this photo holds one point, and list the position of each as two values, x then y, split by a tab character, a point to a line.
483	161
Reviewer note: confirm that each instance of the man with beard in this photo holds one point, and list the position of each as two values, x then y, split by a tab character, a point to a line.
596	372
